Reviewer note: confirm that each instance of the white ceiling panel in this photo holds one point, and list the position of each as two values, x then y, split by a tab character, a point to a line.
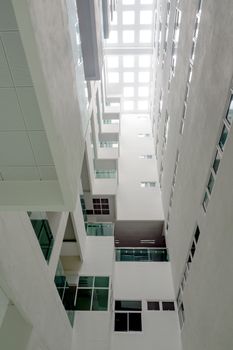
30	108
40	148
16	58
19	173
15	149
11	117
47	173
7	16
5	77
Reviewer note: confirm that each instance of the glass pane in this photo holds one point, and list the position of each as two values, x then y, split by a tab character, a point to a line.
129	305
100	300
69	297
205	201
135	322
223	137
193	248
229	116
168	305
153	305
216	162
85	281
120	322
83	301
197	234
101	282
210	183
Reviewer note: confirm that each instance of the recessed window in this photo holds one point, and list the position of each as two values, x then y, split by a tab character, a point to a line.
145	17
223	137
145	184
128	105
113	61
128	77
128	61
143	105
128	17
144	61
143	135
128	36
143	77
205	201
153	305
168	305
113	77
210	183
192	250
216	162
146	156
128	91
145	36
197	234
143	91
229	116
113	37
130	321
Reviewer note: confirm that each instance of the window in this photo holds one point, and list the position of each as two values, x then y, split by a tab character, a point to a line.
128	105
128	61
193	248
147	184
146	156
205	201
153	305
101	206
113	37
168	305
181	314
143	135
143	105
128	17
92	293
197	234
145	36
128	77
210	183
144	77
229	116
143	91
128	2
113	61
128	91
128	36
130	321
145	17
216	162
223	137
144	61
113	77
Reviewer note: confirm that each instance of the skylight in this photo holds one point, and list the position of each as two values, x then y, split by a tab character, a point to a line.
128	17
128	61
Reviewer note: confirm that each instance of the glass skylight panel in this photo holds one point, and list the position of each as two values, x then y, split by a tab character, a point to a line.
128	61
128	17
143	105
128	77
128	91
114	19
113	77
128	2
145	17
113	37
113	61
144	77
144	61
146	2
128	105
145	36
128	36
143	91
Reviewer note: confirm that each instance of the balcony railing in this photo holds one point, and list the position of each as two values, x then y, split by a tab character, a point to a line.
99	229
106	174
109	144
44	236
138	254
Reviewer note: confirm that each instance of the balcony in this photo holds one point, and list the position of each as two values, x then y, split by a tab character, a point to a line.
147	254
99	229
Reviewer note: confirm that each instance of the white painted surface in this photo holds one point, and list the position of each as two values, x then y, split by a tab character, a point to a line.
143	280
3	305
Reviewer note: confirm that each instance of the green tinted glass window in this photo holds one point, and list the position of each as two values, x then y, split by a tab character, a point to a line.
85	281
100	300
83	301
101	282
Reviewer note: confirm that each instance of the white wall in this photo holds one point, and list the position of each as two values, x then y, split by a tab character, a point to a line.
143	280
3	305
134	202
98	258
